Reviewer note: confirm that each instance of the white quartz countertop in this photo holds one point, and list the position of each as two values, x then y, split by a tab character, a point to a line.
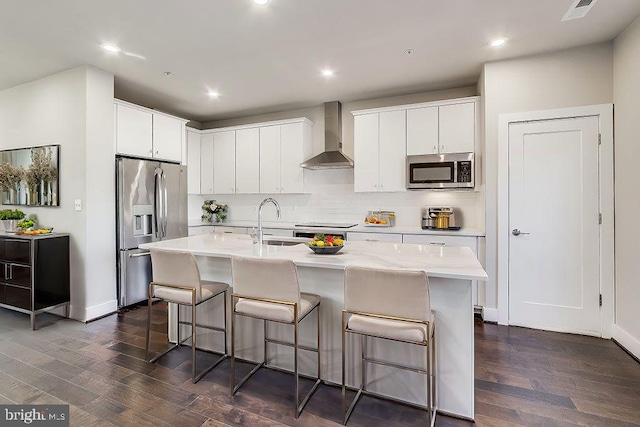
446	262
359	228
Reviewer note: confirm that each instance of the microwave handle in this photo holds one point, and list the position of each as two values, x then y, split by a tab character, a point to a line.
455	171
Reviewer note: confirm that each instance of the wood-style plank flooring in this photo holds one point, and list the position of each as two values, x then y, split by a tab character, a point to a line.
523	377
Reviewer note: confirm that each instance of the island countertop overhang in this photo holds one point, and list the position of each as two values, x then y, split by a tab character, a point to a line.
436	261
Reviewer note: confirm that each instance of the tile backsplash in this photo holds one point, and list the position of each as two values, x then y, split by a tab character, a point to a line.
330	198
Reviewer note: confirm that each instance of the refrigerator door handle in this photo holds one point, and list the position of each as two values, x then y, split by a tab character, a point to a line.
165	206
157	202
139	254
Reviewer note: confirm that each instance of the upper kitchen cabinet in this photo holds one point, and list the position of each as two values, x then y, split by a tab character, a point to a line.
442	127
205	163
282	148
141	132
236	161
193	161
379	151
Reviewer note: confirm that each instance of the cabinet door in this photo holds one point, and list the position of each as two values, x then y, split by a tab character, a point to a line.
18	251
193	162
437	240
356	236
19	275
457	128
206	163
393	154
365	153
292	140
134	129
248	161
422	131
224	162
167	137
17	296
270	159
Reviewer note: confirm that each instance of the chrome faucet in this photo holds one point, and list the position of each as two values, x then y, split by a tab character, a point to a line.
264	202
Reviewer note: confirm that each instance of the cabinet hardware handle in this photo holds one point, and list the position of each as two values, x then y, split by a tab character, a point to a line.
442	147
10	271
371	240
517	232
438	243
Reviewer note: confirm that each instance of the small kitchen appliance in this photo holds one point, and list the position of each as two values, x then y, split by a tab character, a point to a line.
439	218
440	171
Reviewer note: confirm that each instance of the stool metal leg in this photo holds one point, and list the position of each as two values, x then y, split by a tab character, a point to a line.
193	336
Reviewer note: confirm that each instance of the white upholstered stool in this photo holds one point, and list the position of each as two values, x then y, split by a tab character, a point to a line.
176	279
268	289
392	305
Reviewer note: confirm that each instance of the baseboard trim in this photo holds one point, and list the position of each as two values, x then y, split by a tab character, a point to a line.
625	340
490	315
86	314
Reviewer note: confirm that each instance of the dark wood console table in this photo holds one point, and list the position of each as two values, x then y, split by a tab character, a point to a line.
34	273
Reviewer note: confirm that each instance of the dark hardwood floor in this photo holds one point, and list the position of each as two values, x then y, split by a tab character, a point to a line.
523	377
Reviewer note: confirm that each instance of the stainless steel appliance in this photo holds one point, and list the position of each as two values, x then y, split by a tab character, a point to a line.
151	204
440	171
440	218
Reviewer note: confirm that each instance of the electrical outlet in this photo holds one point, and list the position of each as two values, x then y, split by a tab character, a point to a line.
78	205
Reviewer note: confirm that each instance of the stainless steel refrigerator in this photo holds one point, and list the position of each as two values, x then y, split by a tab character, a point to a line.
151	203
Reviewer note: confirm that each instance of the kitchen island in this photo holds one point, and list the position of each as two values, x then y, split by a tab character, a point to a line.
450	271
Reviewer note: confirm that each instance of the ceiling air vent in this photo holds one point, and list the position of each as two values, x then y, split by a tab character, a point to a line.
579	9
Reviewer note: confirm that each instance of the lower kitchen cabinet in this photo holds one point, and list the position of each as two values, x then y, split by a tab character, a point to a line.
34	273
454	241
357	236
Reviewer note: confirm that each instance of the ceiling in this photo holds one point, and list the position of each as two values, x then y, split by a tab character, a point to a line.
268	58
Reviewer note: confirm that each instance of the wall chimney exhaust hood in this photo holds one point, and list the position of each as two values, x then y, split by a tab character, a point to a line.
332	156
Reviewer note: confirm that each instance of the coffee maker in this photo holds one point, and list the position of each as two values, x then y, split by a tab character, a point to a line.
439	218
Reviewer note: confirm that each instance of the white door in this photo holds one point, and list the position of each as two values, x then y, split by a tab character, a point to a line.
224	162
422	131
206	164
291	155
392	161
248	161
270	159
193	163
134	131
168	133
365	153
554	253
457	128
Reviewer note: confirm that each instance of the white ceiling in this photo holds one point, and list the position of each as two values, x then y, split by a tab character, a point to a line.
268	58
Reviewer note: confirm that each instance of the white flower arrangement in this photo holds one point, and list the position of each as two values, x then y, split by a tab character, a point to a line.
211	209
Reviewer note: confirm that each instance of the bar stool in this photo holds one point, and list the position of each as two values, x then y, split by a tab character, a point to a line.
268	289
393	305
176	279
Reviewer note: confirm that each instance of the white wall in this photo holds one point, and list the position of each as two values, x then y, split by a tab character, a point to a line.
626	95
331	193
567	78
69	109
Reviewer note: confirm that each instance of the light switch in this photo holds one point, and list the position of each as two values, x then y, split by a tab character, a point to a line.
78	205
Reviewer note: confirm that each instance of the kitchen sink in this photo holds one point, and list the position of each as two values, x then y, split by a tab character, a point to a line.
281	243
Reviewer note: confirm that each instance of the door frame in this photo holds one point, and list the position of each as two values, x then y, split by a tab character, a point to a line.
607	272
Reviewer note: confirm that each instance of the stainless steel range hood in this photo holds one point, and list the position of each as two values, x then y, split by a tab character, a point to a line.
332	156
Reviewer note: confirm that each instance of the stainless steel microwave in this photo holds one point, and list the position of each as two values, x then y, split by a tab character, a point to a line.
440	171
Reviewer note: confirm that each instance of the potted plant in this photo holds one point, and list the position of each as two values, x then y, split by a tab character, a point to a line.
10	218
213	212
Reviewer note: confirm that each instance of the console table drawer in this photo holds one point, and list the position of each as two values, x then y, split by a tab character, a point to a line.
18	275
18	251
17	296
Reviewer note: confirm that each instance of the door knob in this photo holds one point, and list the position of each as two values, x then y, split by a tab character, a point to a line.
517	232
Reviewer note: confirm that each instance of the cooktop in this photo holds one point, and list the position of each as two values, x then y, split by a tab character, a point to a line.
327	224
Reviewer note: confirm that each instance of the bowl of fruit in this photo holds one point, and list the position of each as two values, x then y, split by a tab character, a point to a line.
324	244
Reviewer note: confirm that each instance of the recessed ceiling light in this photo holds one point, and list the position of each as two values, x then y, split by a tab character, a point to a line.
408	52
213	94
327	72
111	48
497	42
168	73
261	2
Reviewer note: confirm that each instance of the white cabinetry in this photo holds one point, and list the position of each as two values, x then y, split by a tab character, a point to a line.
380	151
206	163
142	132
444	128
357	236
224	162
236	161
454	241
457	128
282	148
247	161
193	162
